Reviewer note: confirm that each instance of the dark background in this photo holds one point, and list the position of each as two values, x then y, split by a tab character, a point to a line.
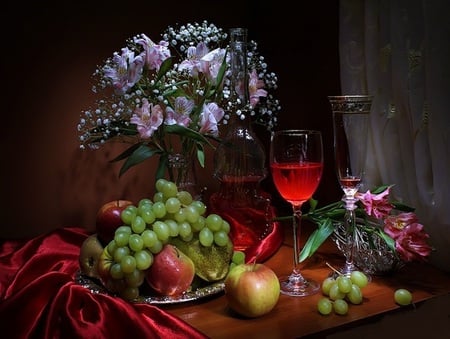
50	51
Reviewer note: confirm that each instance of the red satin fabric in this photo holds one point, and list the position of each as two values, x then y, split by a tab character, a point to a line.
39	298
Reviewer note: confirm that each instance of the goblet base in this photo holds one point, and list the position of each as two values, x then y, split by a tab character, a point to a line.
295	286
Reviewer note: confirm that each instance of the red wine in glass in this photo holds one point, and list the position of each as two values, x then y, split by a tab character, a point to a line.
296	182
296	164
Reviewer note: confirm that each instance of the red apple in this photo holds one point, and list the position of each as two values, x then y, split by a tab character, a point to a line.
90	253
252	289
172	271
108	219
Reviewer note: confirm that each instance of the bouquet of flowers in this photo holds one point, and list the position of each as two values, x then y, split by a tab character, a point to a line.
386	228
171	96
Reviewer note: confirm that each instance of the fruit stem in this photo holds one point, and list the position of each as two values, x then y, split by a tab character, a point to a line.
332	268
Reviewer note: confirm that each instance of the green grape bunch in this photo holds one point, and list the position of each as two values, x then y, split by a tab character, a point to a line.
339	292
170	216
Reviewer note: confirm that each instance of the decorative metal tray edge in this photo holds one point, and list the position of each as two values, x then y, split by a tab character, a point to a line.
192	295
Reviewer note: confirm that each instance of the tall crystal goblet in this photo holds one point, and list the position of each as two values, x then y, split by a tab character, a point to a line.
296	164
350	129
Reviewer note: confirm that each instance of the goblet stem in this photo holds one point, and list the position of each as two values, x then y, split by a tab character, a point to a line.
350	224
295	284
296	230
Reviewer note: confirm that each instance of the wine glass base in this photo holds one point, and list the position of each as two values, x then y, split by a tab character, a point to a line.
294	288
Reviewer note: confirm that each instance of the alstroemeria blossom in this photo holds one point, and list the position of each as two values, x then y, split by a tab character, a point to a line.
209	118
147	119
410	242
151	93
125	71
377	205
180	114
154	54
255	87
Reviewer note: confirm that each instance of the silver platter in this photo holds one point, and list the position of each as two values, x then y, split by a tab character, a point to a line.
192	295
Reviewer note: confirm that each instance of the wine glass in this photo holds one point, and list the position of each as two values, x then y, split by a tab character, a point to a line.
296	164
350	128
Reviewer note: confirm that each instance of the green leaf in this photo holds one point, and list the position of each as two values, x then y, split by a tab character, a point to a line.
200	155
141	153
186	132
316	239
125	154
162	166
164	68
313	204
389	241
402	207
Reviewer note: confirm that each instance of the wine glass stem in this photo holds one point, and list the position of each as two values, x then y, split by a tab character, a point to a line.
296	225
350	224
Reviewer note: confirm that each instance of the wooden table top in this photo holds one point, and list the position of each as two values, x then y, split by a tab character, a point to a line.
295	317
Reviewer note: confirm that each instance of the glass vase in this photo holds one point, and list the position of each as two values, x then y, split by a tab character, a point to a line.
181	170
371	254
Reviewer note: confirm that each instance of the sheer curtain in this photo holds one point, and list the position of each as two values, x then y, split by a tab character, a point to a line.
399	51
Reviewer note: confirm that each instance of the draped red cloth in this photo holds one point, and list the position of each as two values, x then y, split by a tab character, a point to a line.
40	299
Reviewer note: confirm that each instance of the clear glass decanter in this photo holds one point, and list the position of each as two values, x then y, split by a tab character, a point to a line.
239	161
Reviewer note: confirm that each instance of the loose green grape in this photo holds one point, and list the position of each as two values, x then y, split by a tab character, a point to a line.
355	295
156	247
128	214
128	264
121	238
135	242
123	228
225	226
138	225
148	216
160	184
162	230
232	265
192	214
335	293
214	222
200	206
324	306
149	237
326	285
129	293
173	204
135	278
144	259
197	226
206	237
159	209
238	257
221	238
169	190
180	215
173	227
120	253
188	237
116	271
344	283
402	297
184	229
359	278
340	306
158	197
185	197
144	201
111	247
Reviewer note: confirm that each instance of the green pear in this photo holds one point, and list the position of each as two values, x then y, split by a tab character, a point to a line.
211	263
